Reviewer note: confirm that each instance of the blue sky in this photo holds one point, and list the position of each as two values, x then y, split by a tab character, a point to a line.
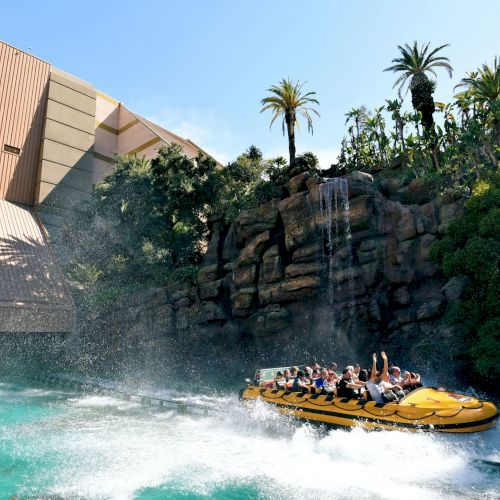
200	67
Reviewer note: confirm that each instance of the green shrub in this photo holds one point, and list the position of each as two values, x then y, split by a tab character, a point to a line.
471	247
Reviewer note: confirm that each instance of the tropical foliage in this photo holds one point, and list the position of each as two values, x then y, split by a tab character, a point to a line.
471	248
463	147
148	221
287	101
414	63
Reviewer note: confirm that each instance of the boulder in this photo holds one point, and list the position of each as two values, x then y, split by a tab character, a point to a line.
244	275
272	266
416	193
243	300
369	273
212	254
208	273
360	213
256	220
448	213
308	253
182	302
271	320
298	182
424	265
289	290
314	180
293	270
403	316
389	185
426	218
429	309
368	250
405	225
252	252
455	288
361	183
200	313
210	290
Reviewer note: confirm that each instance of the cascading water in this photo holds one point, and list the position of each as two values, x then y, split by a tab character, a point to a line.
336	229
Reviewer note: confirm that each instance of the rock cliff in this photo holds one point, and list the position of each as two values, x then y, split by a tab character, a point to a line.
276	281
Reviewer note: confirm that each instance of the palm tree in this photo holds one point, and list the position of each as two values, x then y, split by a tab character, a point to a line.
483	87
288	101
415	63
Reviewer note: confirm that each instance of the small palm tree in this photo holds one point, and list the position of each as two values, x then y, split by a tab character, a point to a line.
484	84
483	87
415	63
288	101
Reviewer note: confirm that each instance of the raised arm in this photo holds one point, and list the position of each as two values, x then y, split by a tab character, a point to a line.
373	374
385	369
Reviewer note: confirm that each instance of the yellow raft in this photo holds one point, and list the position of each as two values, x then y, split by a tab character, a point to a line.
425	409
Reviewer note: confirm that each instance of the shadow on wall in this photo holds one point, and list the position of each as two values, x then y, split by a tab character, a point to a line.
61	189
21	185
30	274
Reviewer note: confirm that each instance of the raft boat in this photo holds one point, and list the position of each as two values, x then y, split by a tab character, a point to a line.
425	409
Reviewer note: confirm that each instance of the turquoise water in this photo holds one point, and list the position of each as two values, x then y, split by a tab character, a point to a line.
61	445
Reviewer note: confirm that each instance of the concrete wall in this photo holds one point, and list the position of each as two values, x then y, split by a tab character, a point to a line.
65	173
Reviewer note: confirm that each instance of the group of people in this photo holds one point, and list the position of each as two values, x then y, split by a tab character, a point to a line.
382	386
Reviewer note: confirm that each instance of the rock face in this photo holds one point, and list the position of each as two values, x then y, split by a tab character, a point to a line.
267	279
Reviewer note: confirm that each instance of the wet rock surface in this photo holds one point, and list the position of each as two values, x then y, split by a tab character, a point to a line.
279	281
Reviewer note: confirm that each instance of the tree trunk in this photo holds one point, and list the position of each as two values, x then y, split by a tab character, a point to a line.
421	97
290	127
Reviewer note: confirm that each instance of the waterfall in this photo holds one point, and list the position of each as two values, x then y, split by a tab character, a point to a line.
336	231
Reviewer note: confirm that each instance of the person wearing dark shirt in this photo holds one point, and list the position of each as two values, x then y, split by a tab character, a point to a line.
347	388
300	383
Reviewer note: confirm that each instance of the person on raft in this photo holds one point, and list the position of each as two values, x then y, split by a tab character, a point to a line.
347	387
379	387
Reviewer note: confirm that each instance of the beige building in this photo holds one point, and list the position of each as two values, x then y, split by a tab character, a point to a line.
58	137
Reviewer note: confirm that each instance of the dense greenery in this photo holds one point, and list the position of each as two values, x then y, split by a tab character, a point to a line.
287	101
471	248
147	222
457	152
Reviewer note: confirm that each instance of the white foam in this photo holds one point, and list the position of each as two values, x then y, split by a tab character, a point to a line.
107	448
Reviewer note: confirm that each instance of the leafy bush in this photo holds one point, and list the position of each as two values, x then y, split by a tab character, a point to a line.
147	220
471	247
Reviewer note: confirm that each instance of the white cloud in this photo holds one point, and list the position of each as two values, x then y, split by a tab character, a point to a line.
200	126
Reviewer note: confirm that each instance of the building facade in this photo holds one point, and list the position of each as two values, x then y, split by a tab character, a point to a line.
59	136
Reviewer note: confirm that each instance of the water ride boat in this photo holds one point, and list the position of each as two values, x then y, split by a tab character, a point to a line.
425	409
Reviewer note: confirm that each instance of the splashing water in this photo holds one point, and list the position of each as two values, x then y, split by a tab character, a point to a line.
59	444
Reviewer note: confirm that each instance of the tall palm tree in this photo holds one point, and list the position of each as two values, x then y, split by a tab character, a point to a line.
483	87
288	101
415	63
